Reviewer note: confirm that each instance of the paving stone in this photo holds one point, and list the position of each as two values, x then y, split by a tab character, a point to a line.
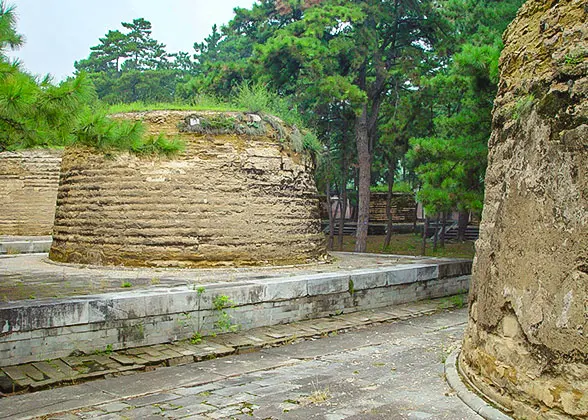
211	348
50	370
225	413
234	390
147	359
180	360
184	349
275	389
221	401
150	399
234	340
114	407
271	332
171	353
66	416
144	413
15	373
289	330
188	408
123	359
153	355
65	368
135	351
110	416
91	414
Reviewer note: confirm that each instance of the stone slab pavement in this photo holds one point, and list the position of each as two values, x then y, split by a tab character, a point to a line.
385	371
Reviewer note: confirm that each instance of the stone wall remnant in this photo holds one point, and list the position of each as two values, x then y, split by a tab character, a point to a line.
403	207
526	345
28	190
238	195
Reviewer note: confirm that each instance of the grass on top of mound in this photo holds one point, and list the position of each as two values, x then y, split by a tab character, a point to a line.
102	133
163	106
248	99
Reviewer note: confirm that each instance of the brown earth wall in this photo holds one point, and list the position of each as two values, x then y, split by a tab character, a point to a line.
403	208
227	200
28	190
526	345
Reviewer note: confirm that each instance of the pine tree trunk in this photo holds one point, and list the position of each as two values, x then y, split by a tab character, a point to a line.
343	197
342	220
443	224
364	160
331	218
436	237
424	244
462	225
389	222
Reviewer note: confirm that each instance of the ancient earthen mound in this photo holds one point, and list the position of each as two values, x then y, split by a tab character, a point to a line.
238	195
526	345
28	189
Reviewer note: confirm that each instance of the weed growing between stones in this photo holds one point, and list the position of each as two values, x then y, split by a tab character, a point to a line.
224	321
456	301
106	352
126	284
351	287
319	395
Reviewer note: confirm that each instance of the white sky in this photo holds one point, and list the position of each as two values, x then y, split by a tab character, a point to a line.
59	32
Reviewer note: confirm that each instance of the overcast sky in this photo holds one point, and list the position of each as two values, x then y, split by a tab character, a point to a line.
59	32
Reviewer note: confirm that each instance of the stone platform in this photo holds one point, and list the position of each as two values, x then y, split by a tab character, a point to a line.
16	245
49	311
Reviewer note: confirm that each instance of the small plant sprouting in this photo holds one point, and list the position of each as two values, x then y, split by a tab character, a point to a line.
351	287
196	338
575	57
126	284
106	352
224	322
318	395
186	319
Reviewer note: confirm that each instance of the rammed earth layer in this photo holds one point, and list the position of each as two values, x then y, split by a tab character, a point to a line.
28	190
238	195
526	345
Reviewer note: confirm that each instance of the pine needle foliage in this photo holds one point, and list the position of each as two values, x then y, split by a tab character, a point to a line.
39	114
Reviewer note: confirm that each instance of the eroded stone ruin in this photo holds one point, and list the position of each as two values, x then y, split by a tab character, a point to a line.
238	195
526	345
28	189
